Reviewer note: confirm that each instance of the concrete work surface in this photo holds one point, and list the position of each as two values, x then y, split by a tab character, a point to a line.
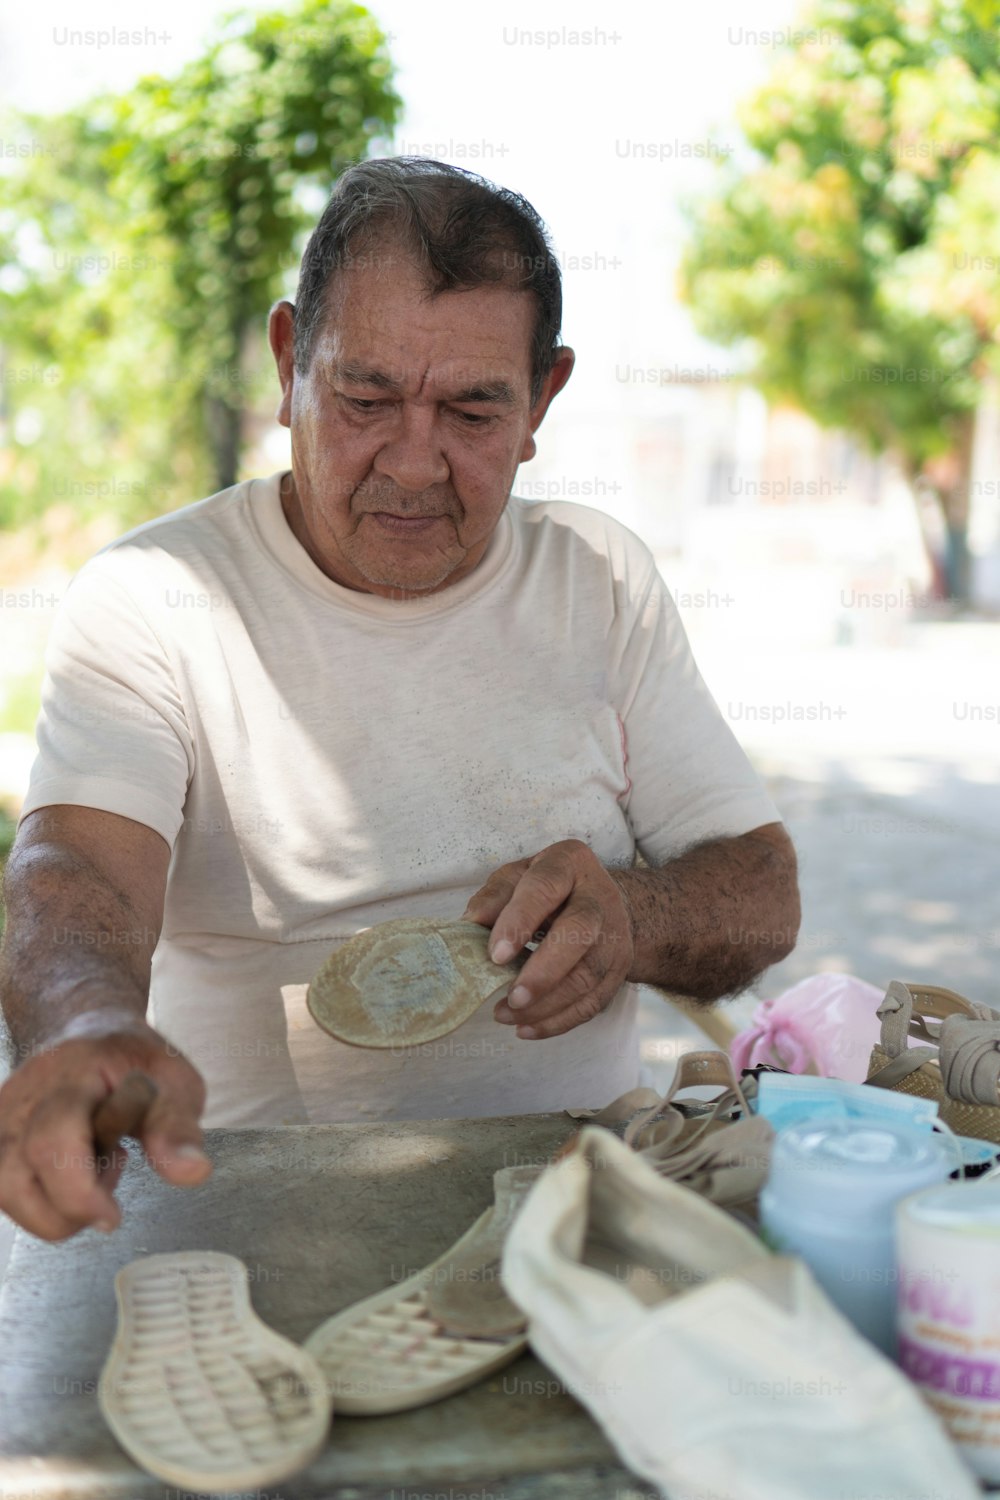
321	1216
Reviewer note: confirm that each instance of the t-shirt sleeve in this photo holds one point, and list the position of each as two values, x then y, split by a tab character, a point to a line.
112	733
689	780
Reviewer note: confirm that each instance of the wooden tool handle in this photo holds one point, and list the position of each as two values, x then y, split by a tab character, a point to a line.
124	1110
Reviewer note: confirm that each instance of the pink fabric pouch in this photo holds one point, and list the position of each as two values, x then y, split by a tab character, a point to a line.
825	1025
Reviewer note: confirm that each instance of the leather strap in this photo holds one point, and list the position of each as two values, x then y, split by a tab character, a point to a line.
907	1008
642	1118
970	1059
619	1110
727	1166
664	1122
697	1143
902	1066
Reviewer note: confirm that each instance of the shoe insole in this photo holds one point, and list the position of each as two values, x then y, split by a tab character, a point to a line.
647	1285
408	981
466	1294
197	1389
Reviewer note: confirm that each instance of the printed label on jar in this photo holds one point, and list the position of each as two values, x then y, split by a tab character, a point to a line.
949	1330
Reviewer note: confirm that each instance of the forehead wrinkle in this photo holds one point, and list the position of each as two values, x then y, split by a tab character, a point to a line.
388	304
493	391
439	375
359	374
487	390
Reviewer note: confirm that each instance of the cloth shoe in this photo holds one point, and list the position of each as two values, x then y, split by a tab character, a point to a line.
714	1367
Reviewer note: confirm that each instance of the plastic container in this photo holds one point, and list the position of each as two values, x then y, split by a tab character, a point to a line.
830	1197
948	1248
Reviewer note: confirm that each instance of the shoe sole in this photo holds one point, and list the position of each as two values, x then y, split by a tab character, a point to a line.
406	982
388	1353
197	1389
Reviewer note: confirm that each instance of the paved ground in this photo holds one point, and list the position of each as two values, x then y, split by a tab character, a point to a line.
884	763
894	885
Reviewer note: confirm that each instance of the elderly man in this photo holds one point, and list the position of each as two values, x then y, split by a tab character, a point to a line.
376	686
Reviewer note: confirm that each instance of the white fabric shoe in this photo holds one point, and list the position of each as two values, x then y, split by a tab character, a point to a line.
713	1366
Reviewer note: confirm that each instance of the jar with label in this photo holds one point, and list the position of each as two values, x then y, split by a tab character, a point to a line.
830	1196
948	1247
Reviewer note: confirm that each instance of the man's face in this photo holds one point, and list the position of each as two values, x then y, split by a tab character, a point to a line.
409	425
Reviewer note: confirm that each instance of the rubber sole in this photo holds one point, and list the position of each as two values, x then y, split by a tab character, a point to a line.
198	1390
388	1353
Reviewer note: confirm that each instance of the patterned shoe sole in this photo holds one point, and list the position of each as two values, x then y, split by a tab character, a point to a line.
388	1353
197	1389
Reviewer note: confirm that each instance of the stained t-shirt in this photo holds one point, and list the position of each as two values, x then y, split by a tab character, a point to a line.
321	759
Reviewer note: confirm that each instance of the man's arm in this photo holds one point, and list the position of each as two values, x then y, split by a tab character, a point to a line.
708	923
704	924
84	892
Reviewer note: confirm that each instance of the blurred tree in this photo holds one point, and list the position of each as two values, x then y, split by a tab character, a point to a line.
147	234
856	253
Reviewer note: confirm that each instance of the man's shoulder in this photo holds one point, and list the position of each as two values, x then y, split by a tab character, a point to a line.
188	526
569	527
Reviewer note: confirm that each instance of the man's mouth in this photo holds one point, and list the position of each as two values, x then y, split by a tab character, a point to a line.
403	525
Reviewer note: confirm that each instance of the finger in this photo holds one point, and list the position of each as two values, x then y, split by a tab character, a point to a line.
170	1134
583	981
539	895
578	1013
123	1111
489	901
58	1147
584	993
574	938
24	1200
110	1166
22	1195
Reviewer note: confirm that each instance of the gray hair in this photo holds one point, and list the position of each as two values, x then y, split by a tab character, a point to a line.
465	230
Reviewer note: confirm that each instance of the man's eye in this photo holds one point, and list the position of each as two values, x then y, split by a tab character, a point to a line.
474	418
361	403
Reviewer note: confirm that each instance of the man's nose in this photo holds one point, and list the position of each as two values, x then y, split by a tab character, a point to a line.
413	457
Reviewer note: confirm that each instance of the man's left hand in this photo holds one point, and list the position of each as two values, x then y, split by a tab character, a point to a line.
565	897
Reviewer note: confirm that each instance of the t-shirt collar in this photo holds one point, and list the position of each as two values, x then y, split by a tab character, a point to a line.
280	541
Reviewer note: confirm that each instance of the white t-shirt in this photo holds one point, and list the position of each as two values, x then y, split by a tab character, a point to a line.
321	759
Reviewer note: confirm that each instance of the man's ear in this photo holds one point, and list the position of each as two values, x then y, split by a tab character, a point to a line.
281	335
557	377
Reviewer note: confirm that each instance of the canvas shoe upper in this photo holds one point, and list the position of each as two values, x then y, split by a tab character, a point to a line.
719	1371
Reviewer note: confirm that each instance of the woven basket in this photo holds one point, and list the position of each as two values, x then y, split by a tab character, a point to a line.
923	1012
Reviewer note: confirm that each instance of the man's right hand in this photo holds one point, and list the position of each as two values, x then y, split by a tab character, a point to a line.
52	1180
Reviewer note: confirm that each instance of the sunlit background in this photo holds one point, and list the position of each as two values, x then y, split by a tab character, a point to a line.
812	573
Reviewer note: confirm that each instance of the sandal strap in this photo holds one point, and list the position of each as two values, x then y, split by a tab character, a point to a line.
970	1059
675	1128
641	1117
619	1110
726	1166
907	1009
694	1070
902	1066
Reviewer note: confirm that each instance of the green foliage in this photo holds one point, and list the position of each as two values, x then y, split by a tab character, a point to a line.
152	232
854	254
7	826
20	702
